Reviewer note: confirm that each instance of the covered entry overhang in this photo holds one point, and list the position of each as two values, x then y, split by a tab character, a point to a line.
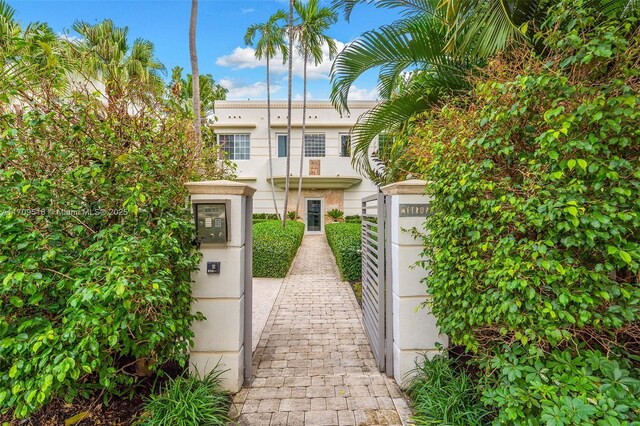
318	182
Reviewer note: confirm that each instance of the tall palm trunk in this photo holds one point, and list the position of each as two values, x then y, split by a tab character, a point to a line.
289	83
195	77
304	123
273	190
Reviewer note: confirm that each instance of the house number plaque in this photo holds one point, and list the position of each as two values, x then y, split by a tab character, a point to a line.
414	210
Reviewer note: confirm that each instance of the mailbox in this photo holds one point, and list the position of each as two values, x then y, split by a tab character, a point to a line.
211	222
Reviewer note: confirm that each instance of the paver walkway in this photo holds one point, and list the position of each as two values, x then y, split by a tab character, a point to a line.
313	365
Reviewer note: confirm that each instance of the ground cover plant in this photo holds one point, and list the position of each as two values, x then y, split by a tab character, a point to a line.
442	393
95	241
534	245
188	401
274	247
345	241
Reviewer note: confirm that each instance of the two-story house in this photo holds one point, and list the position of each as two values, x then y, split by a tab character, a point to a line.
328	179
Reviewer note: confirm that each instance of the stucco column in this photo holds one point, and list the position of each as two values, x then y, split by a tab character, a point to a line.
414	327
224	296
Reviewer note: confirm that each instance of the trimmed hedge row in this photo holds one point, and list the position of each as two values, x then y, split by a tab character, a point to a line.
274	248
345	242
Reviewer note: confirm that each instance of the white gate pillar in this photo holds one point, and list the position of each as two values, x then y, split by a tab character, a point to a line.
414	327
222	286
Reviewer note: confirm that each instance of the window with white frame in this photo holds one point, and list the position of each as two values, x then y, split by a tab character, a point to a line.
282	145
238	147
345	145
314	145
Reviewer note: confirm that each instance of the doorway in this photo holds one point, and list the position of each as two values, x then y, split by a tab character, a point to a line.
314	217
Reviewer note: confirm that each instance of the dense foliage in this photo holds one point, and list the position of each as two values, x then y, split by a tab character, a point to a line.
353	219
443	394
274	247
534	240
95	252
264	217
188	401
345	242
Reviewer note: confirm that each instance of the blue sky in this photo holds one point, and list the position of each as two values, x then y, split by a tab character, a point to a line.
221	28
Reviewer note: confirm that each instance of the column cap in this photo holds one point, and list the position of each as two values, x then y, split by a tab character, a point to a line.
413	186
219	187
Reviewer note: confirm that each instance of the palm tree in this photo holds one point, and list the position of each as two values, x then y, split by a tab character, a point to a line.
485	27
411	51
271	42
195	79
9	28
437	43
182	89
310	37
106	55
289	84
30	56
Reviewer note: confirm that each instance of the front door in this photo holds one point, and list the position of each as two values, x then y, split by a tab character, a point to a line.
314	215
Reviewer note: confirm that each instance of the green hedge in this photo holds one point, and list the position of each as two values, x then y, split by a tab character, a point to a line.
274	248
265	216
534	242
353	219
345	242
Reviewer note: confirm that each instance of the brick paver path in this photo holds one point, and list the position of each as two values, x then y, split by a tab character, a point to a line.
313	365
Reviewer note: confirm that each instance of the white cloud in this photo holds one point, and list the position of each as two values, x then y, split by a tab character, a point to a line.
244	57
239	90
241	58
358	94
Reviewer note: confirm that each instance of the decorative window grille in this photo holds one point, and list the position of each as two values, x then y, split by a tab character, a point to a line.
314	145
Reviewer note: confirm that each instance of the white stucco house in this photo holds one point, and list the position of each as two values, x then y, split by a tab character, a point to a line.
328	179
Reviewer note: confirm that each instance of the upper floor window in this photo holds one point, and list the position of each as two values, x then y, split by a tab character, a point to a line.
282	145
345	145
238	147
314	145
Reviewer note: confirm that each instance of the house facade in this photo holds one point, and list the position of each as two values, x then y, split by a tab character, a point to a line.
328	179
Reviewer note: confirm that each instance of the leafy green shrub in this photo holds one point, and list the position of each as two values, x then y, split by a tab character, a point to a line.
335	214
443	394
353	219
95	252
345	242
293	215
265	216
534	242
188	401
565	387
274	248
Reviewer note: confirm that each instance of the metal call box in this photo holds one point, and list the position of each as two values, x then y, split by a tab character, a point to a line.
211	222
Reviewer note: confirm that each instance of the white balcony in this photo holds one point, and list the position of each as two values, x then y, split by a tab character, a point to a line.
332	173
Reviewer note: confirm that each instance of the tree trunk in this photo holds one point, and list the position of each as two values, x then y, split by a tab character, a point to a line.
289	83
304	121
195	78
273	191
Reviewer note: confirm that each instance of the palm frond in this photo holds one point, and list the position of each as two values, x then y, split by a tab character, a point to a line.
426	90
271	37
417	41
614	8
408	7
